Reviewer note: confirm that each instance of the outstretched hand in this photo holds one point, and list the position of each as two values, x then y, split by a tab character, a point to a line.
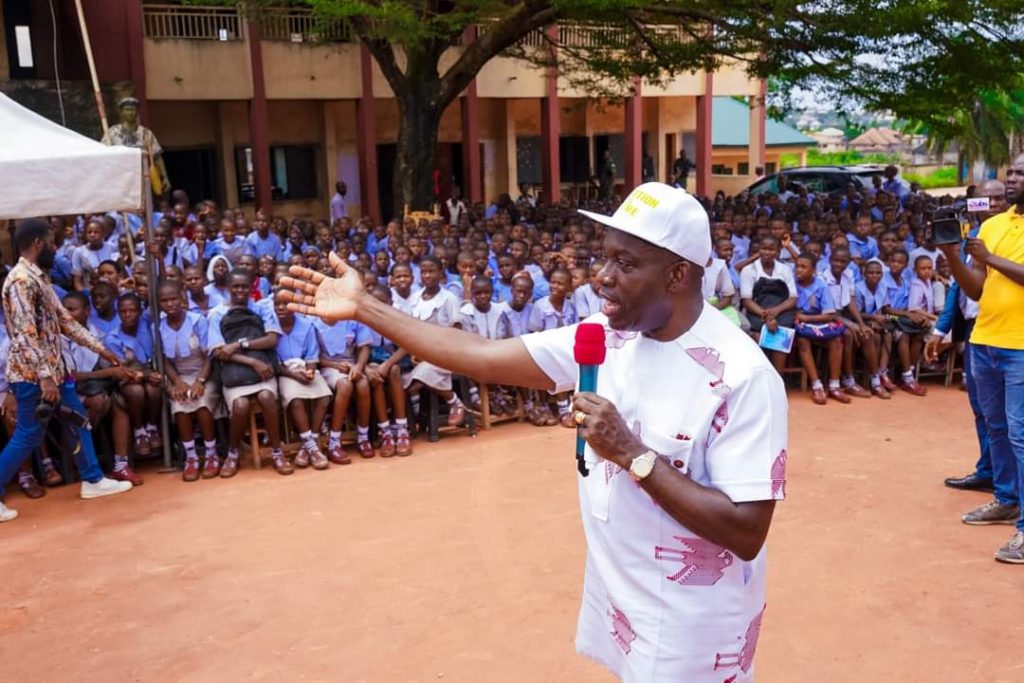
329	298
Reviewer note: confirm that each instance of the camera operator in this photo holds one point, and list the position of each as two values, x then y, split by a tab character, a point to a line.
995	279
35	320
958	316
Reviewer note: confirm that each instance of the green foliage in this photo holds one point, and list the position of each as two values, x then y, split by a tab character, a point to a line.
943	177
843	158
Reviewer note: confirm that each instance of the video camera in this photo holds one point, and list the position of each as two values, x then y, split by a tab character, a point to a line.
45	411
946	223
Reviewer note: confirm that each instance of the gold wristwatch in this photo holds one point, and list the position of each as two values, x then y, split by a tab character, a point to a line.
642	465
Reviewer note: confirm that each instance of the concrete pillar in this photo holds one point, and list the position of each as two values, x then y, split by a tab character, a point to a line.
259	126
136	56
550	133
506	172
470	110
634	138
704	116
367	135
756	140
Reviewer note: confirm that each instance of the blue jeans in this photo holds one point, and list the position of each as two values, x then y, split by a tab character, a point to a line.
28	434
983	468
999	377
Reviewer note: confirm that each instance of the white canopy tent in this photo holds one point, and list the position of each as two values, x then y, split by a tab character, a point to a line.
49	170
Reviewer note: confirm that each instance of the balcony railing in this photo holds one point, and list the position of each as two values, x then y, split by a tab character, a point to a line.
299	25
192	23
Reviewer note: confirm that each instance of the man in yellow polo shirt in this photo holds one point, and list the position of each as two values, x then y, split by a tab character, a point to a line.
994	277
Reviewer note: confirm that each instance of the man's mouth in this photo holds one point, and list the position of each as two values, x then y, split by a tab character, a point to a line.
609	306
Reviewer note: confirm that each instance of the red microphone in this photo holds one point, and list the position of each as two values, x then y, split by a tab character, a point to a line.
589	352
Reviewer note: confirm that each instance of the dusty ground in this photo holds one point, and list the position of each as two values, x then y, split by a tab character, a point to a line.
463	563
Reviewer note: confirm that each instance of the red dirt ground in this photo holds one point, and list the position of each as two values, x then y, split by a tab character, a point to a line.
464	563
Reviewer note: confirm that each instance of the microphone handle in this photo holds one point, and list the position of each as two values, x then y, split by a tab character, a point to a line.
588	382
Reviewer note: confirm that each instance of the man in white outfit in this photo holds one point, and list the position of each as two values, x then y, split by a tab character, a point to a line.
686	471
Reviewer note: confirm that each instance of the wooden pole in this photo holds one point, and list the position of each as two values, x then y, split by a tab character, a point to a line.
152	271
92	67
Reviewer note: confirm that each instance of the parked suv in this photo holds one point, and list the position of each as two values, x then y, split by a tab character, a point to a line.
819	179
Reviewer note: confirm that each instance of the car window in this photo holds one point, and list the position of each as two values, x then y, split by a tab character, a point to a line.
836	182
769	184
814	182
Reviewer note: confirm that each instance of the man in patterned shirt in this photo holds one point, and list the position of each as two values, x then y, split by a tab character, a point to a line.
35	321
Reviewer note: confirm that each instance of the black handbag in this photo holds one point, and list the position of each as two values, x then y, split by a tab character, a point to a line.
241	323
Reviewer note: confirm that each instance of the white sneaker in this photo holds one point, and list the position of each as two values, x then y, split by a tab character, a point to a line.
104	487
6	513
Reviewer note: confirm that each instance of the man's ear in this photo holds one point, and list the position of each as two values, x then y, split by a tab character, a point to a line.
678	275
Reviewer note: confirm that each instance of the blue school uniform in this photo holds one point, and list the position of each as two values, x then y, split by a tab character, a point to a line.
189	340
104	327
502	292
864	249
513	323
341	340
898	294
870	303
216	339
814	298
545	317
264	246
234	251
130	348
216	296
301	342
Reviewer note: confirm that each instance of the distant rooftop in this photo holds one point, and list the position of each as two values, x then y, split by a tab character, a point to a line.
731	127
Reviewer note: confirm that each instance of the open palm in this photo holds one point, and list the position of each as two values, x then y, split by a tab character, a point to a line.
329	298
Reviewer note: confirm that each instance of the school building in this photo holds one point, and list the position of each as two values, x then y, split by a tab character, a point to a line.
220	90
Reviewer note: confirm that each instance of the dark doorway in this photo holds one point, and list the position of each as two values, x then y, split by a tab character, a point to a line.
195	171
574	159
386	157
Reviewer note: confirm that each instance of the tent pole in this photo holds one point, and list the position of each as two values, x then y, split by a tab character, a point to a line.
92	67
153	270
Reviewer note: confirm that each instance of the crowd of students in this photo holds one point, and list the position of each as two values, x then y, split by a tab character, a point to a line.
853	273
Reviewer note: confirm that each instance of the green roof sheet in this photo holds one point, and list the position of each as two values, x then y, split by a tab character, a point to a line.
730	127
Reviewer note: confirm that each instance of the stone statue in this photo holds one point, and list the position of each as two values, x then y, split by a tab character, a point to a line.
129	133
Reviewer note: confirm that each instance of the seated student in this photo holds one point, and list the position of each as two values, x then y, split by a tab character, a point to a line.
344	353
552	312
265	269
103	317
401	287
897	289
295	245
863	247
249	343
942	280
300	381
927	248
385	368
872	301
96	382
310	257
717	288
788	251
480	316
187	364
204	248
514	321
503	280
133	346
920	300
435	305
724	250
857	334
229	245
585	286
251	264
90	254
217	281
816	321
111	272
461	284
197	299
768	293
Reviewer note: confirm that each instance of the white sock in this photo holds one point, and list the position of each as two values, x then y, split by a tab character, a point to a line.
141	433
833	384
816	384
474	394
563	407
210	448
415	400
151	429
454	400
528	404
402	426
848	381
120	462
384	428
335	438
876	381
190	450
908	376
276	453
24	476
362	433
307	438
232	454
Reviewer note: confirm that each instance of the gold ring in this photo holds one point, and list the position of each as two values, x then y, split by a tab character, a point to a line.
578	417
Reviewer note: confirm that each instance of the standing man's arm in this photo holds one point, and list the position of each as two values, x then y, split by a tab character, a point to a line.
70	328
504	361
971	278
1013	271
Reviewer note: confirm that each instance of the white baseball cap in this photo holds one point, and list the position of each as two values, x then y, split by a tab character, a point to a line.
666	216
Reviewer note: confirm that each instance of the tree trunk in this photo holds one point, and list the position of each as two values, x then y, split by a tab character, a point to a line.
960	168
419	118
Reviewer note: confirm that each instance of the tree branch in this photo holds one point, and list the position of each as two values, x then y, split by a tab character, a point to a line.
498	38
383	53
